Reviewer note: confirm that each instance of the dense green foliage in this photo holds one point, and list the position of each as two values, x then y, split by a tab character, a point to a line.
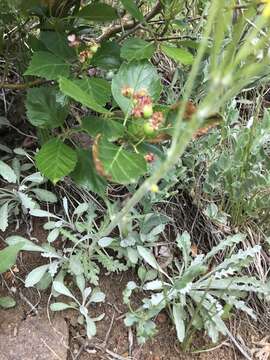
160	94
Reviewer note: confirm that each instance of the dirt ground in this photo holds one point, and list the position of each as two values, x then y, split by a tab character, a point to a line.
27	334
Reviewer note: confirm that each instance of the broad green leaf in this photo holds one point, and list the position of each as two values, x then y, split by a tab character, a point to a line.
7	172
60	306
55	160
7	302
85	173
98	12
108	56
137	49
57	43
111	129
31	7
4	216
45	195
36	275
133	9
119	165
8	256
48	66
178	54
99	89
178	317
137	75
42	107
77	93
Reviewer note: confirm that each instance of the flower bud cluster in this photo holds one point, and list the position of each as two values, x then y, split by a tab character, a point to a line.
73	41
150	157
86	54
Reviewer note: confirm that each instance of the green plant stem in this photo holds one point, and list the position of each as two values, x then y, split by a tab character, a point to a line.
180	139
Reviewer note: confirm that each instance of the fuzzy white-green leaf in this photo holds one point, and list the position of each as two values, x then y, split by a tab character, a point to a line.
179	321
97	296
148	257
60	288
26	201
105	242
36	275
26	244
53	235
60	306
4	216
42	213
45	195
7	172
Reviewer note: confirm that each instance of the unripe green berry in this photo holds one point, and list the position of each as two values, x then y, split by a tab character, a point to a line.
148	129
147	111
94	48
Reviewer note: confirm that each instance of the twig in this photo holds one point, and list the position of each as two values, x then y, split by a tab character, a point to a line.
51	350
89	344
224	343
22	86
243	352
130	341
33	308
129	24
168	38
109	331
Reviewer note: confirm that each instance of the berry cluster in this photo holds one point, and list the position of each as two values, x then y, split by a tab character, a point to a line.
143	108
156	120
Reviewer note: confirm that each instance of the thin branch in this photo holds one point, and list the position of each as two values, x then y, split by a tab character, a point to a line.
131	24
183	37
22	86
